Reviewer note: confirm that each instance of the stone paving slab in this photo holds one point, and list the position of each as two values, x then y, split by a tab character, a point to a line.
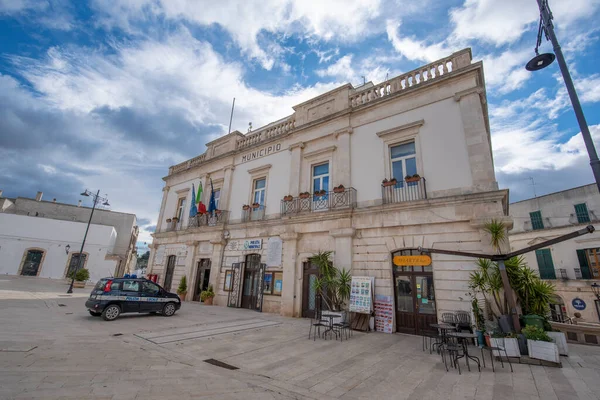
63	353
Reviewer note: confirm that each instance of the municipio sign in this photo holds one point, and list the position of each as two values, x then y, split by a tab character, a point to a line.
406	261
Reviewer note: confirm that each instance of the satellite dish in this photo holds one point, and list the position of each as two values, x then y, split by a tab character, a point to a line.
540	61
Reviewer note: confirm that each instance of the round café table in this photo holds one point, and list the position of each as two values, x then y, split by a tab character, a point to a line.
443	328
464	338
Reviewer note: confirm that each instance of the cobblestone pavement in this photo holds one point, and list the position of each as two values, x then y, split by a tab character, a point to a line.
51	348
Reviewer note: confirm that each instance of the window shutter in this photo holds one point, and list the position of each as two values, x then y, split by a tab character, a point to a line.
536	220
582	213
583	264
545	264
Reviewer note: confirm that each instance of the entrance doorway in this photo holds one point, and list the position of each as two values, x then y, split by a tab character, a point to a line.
253	283
415	296
74	263
202	278
31	265
169	273
309	294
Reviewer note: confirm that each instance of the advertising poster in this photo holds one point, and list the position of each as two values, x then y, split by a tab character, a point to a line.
361	294
384	313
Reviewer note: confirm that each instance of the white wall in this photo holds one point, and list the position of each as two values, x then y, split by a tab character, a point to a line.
443	152
277	183
18	233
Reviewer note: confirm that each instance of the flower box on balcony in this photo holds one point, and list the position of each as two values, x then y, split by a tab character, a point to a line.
413	178
304	195
255	205
320	193
339	189
169	220
288	198
175	219
391	182
245	207
218	212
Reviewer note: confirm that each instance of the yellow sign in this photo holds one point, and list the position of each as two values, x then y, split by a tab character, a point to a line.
406	261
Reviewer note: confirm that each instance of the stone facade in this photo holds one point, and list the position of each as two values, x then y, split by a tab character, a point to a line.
570	260
439	111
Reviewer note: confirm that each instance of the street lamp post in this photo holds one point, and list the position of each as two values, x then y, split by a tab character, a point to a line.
97	198
543	60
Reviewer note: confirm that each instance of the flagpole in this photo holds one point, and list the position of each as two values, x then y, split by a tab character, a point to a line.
231	117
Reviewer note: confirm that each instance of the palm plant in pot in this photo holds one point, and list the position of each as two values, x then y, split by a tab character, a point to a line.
207	295
332	285
182	289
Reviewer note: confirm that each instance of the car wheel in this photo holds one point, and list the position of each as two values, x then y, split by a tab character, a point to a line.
168	309
111	312
95	314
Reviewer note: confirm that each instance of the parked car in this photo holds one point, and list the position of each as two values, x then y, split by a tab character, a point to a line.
113	296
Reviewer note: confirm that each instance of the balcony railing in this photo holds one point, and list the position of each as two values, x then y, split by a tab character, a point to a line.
313	202
561	273
404	191
173	226
209	219
253	214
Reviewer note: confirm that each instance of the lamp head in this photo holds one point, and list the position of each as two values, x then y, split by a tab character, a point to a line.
67	248
540	61
85	194
106	203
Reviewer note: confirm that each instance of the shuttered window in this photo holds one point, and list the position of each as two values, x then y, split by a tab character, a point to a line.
536	220
582	213
545	264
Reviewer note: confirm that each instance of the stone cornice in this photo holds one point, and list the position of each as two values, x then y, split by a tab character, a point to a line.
476	90
343	131
296	145
261	169
318	152
410	126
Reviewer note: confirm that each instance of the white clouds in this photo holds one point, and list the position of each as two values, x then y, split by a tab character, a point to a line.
17	6
342	20
341	69
506	71
412	48
504	22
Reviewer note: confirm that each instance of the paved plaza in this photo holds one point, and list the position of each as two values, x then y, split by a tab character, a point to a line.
51	348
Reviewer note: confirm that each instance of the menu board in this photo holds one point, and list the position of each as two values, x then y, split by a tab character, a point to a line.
361	294
384	313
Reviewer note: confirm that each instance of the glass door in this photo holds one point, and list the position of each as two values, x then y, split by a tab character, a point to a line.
321	187
405	303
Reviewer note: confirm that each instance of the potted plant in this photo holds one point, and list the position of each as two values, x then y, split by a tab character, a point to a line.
391	182
339	189
169	220
255	205
289	197
540	345
245	207
175	219
479	320
182	289
412	178
81	276
207	295
321	192
218	212
304	195
333	285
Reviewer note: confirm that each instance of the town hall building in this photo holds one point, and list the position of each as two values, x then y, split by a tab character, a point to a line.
367	173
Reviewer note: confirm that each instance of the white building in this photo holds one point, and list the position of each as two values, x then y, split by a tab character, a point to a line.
34	236
432	122
572	265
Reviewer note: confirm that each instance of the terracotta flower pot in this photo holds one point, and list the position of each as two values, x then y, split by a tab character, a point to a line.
389	183
304	195
413	179
339	189
208	301
79	284
255	206
182	296
245	208
288	198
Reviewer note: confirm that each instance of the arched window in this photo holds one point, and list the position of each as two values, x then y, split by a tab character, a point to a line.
32	262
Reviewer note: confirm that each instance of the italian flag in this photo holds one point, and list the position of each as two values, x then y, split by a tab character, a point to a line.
201	207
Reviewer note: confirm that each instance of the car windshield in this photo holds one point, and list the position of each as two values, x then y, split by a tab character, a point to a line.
101	283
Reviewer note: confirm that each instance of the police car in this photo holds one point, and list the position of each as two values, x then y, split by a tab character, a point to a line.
113	296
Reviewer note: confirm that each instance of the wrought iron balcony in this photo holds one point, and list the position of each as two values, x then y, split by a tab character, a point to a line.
320	201
403	190
562	274
254	214
218	217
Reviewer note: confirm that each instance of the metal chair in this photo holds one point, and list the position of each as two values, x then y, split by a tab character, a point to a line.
448	318
344	327
491	349
317	322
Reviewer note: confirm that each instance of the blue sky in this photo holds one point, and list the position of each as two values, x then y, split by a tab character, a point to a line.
109	93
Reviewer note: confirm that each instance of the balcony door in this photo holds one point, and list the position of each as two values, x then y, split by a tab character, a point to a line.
320	179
